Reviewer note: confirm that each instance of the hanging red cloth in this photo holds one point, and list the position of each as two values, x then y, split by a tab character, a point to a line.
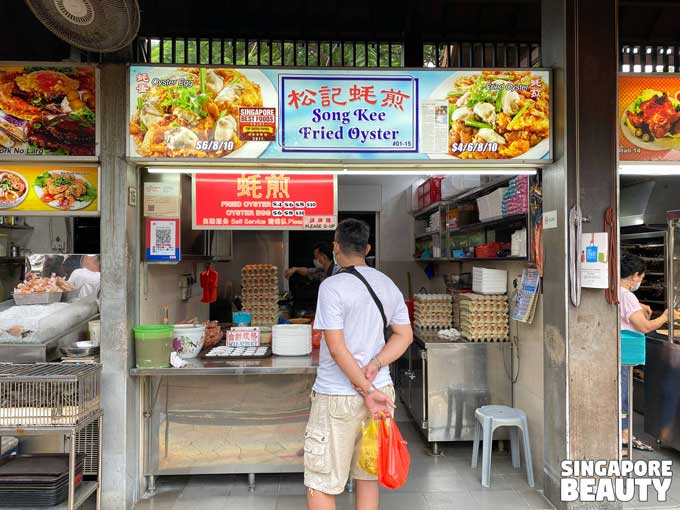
209	285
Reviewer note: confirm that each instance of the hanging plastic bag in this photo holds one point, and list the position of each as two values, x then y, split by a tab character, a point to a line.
368	449
393	457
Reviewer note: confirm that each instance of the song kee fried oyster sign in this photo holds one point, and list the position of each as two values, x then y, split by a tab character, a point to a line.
252	201
348	114
400	116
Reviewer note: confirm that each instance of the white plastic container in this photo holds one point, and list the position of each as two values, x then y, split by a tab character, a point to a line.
188	340
292	339
453	185
95	329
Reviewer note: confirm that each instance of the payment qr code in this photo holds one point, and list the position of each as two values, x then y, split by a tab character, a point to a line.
163	236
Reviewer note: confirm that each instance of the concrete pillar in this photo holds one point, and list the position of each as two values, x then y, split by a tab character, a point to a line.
581	343
119	250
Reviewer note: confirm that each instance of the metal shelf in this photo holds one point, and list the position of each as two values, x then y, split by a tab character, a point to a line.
426	235
83	492
15	227
503	220
427	210
475	259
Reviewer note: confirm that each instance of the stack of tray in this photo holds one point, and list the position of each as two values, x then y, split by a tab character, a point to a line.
36	480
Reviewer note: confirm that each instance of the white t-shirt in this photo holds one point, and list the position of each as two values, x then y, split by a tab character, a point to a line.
345	303
86	281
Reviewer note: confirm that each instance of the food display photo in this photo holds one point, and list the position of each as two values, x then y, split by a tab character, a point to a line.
649	118
48	111
500	114
194	112
50	189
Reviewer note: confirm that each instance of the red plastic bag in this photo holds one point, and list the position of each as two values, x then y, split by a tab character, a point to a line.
393	457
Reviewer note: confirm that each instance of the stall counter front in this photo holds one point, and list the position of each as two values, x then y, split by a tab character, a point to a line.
226	417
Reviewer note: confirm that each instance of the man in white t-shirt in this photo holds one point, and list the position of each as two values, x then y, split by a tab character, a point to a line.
87	279
353	381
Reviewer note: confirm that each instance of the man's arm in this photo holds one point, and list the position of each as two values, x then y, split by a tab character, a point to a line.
376	401
395	347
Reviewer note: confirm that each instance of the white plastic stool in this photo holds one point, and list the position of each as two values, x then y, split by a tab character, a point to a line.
490	418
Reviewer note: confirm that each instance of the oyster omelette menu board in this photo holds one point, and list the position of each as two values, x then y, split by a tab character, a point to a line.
403	115
52	190
649	118
48	110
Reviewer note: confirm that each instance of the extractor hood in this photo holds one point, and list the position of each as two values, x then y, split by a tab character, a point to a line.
645	202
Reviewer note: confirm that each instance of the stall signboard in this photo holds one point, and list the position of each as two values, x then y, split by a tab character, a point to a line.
49	190
48	111
162	240
275	115
252	201
649	118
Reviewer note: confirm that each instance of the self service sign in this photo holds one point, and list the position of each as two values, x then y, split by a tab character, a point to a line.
258	201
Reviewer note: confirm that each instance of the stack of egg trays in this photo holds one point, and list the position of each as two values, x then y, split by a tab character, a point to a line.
433	311
259	294
484	318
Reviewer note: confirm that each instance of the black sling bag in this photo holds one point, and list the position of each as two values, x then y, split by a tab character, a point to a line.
387	330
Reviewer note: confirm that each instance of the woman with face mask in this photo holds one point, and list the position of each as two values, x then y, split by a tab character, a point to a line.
634	317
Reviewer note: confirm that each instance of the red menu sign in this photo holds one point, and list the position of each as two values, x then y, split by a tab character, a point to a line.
253	201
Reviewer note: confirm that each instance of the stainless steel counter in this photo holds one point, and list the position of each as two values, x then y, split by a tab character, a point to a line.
290	365
217	416
441	383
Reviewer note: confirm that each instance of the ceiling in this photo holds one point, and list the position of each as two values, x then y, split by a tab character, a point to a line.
370	20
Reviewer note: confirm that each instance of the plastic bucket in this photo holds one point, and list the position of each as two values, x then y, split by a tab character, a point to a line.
633	348
153	345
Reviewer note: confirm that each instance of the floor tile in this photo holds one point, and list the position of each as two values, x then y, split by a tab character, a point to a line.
253	502
402	501
461	500
291	503
535	499
500	500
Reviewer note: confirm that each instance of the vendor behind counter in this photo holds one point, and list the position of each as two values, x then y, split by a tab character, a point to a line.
305	281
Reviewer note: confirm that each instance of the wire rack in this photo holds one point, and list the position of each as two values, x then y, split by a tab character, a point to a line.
48	394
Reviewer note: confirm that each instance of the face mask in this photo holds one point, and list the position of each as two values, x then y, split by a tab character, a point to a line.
318	264
635	286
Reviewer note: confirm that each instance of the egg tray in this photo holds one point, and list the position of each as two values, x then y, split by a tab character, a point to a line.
239	353
420	325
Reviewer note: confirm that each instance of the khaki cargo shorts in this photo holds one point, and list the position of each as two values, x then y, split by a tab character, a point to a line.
332	440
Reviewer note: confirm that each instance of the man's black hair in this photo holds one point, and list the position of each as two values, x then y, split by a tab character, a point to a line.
631	264
352	236
325	249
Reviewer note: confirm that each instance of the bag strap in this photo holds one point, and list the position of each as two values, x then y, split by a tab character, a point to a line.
353	271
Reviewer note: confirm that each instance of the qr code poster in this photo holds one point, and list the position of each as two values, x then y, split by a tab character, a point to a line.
162	240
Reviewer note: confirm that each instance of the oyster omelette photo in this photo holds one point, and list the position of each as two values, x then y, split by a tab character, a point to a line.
192	112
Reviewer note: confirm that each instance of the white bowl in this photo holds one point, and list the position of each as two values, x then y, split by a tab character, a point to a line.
190	340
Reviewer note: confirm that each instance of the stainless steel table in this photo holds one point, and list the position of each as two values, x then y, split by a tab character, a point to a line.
222	417
441	383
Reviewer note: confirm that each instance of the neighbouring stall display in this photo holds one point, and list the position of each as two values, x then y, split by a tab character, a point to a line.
48	110
649	121
433	311
57	190
260	293
484	318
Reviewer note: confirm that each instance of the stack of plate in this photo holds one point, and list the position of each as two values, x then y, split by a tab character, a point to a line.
292	339
489	281
36	480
